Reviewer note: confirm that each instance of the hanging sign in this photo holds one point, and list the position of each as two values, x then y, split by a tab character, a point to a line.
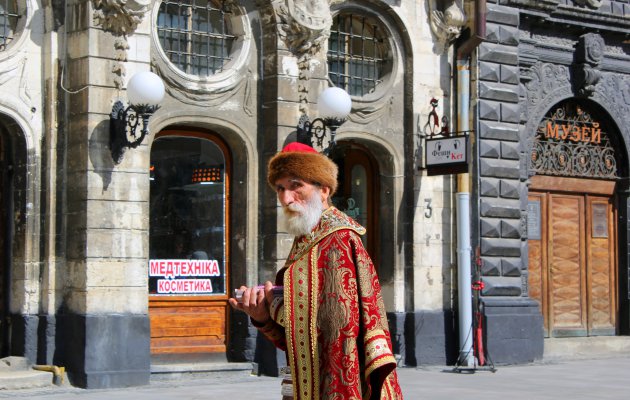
447	152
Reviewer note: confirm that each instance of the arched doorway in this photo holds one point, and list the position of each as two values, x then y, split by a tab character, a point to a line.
357	194
572	221
5	239
188	245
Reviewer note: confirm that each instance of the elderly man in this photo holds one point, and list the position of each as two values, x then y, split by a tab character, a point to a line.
330	319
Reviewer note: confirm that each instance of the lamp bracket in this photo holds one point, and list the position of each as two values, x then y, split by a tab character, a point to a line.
314	132
123	123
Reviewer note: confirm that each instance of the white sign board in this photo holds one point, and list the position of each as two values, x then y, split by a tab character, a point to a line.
447	151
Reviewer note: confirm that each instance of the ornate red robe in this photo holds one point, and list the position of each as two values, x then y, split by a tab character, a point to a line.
331	320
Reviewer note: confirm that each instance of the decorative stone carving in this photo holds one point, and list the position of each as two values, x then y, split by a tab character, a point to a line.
120	17
119	69
595	4
373	112
614	92
446	24
588	56
194	93
304	25
542	79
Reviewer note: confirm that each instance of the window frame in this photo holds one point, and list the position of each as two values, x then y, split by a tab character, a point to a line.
232	73
387	60
226	217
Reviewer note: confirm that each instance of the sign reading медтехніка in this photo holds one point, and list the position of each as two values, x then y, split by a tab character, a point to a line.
192	272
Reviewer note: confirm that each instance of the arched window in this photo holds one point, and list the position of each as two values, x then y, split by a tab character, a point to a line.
359	54
196	35
9	18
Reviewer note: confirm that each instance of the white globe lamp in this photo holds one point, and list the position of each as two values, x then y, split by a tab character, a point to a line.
335	103
145	88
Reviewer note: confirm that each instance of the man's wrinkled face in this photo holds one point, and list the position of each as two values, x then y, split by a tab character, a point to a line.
302	204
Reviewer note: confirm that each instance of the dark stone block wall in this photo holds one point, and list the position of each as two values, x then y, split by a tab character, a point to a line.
524	67
514	331
430	338
104	351
513	323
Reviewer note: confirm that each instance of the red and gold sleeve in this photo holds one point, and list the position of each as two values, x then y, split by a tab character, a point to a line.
273	331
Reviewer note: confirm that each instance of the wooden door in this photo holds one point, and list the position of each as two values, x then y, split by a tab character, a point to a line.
566	268
602	268
186	324
572	253
358	192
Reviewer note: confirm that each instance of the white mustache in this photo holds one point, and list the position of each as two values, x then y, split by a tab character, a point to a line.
295	208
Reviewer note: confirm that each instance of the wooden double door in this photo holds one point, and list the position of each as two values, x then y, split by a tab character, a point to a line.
573	255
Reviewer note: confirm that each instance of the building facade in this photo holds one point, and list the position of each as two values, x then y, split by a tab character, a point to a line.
118	259
551	168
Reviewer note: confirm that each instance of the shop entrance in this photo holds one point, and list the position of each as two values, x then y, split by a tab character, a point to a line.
188	245
357	192
573	255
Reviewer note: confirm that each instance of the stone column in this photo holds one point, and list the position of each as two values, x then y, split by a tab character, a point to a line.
103	330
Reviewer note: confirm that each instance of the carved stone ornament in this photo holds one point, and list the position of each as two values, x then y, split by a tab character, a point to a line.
542	79
589	54
446	24
120	17
304	25
591	3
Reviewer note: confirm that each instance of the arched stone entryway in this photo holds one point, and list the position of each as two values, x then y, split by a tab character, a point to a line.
572	218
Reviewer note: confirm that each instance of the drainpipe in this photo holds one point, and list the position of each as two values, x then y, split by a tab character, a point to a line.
464	254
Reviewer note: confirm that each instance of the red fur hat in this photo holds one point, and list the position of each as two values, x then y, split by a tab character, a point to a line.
303	162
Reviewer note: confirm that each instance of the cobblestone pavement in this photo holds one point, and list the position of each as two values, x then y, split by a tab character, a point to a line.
595	379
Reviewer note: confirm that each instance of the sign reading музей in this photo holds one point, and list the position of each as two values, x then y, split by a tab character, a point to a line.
182	276
569	142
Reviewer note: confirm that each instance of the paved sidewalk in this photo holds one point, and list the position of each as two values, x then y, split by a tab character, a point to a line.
595	379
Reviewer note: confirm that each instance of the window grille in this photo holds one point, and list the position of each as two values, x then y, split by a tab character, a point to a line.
357	51
195	35
8	22
570	142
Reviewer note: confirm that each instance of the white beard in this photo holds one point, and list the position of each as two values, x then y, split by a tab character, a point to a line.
300	220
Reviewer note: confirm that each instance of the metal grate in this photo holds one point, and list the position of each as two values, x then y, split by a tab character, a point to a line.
356	54
8	22
569	142
194	34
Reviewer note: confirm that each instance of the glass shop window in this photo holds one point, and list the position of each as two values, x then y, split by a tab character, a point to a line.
187	243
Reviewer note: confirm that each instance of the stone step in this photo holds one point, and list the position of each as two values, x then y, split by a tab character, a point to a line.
586	347
174	371
12	380
16	373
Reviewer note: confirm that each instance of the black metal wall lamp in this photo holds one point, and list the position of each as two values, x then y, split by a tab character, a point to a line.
145	91
334	106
